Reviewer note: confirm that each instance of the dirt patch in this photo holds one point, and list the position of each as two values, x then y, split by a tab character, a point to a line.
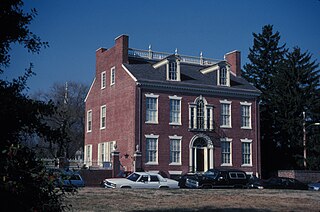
100	199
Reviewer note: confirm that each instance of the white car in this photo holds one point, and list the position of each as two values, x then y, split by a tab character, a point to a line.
141	180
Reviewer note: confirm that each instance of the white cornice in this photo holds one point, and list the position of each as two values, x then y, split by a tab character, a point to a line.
129	73
89	90
160	63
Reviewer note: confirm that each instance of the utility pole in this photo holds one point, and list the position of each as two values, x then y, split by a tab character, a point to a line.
304	141
305	138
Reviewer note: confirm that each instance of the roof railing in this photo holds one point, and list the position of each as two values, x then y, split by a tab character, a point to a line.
153	55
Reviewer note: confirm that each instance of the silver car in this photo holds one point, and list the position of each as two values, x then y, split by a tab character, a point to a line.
141	180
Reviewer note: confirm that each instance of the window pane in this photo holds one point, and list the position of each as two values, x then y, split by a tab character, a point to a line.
172	71
151	109
174	111
103	117
200	114
245	112
175	150
225	114
223	76
225	151
246	153
151	150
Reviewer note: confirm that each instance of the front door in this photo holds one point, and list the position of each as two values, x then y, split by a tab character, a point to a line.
200	160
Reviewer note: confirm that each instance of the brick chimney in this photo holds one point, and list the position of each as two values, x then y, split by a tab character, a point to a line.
234	59
122	45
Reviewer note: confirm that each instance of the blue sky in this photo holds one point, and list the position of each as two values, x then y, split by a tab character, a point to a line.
75	29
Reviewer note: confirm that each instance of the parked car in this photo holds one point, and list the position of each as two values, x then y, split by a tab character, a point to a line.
141	180
314	186
182	179
70	181
278	183
214	178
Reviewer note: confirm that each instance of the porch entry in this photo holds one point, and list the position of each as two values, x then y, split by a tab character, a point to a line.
201	153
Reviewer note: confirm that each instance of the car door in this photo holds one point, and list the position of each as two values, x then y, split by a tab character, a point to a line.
154	181
221	180
142	182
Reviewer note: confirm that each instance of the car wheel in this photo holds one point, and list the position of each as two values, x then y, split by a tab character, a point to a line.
164	187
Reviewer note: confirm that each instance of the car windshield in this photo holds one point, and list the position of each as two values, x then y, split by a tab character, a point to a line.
133	177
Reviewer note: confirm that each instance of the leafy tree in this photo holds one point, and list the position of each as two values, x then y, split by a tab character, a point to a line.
296	90
14	25
266	56
24	184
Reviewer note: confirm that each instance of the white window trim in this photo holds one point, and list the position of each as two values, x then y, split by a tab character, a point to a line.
105	124
175	137
151	95
88	161
228	76
177	70
250	120
246	140
103	79
89	130
230	110
108	148
175	97
152	136
227	140
113	71
193	108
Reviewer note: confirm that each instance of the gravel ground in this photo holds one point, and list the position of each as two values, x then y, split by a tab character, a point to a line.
100	199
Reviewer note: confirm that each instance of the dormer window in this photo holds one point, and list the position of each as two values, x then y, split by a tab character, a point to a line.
172	66
224	76
173	71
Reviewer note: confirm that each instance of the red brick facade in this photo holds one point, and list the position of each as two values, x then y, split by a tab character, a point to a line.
126	125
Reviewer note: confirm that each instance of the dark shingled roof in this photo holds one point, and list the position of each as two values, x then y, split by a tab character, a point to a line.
190	76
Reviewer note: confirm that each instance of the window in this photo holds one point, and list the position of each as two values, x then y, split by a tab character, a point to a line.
154	178
104	152
226	154
89	121
112	76
88	155
200	115
103	80
175	150
173	71
245	115
152	149
225	117
151	108
175	110
246	152
103	117
224	76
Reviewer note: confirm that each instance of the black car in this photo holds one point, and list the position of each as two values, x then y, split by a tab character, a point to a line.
214	178
278	183
182	179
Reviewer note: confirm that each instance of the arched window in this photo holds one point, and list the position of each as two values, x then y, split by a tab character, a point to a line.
200	115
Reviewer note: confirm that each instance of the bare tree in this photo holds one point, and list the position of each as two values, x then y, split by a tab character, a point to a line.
68	99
